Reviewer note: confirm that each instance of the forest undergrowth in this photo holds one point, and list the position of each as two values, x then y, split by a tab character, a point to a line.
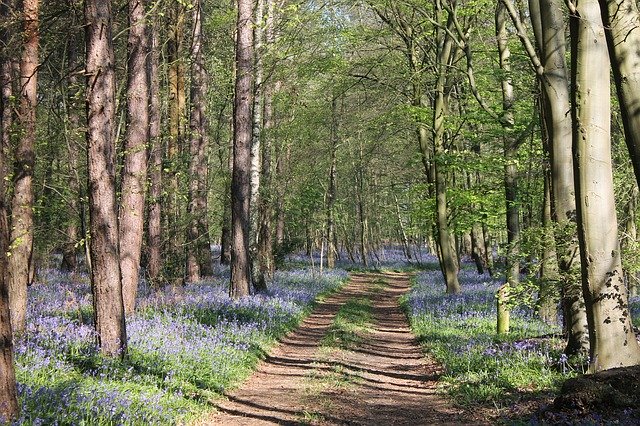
185	345
188	345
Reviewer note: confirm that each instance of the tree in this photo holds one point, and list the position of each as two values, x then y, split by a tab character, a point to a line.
134	171
198	252
154	220
611	336
622	22
106	283
21	246
8	392
240	181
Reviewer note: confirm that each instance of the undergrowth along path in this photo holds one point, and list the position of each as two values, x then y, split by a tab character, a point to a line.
353	361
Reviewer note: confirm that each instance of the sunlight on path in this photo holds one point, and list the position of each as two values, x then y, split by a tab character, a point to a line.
381	379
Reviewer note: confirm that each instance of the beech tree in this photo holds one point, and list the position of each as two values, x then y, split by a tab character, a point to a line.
242	137
20	266
8	391
134	172
106	282
611	336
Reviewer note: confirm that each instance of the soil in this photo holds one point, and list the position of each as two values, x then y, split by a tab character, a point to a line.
383	379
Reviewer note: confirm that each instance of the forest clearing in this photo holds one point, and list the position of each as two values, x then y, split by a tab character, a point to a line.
319	211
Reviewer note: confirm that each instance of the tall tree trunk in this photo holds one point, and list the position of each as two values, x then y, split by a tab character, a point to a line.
510	173
448	260
21	247
241	178
547	299
549	25
331	192
622	22
630	239
175	263
611	336
134	173
9	408
73	139
106	281
198	251
154	221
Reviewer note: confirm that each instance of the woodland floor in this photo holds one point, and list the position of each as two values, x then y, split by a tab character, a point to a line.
381	378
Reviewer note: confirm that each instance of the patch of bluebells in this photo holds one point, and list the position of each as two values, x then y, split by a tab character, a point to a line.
459	331
387	257
185	345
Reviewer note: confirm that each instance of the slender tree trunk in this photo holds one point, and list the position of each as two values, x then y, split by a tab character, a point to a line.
331	192
175	262
106	281
448	260
74	142
197	252
154	221
9	408
510	173
134	174
549	276
21	247
611	336
630	239
241	178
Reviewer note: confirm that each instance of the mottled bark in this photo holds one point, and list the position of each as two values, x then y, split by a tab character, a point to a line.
74	141
241	177
198	252
9	408
134	172
103	221
621	19
154	220
21	243
510	152
174	255
611	336
448	259
549	28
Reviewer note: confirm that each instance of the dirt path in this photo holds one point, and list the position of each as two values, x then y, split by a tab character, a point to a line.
381	378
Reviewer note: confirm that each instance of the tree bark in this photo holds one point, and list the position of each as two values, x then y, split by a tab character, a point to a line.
21	247
549	25
9	408
510	149
241	177
134	173
622	22
154	225
74	146
448	260
611	336
198	251
106	281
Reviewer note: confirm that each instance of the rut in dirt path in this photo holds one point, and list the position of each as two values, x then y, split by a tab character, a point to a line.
380	378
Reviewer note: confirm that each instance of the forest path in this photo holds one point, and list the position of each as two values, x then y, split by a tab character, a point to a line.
352	361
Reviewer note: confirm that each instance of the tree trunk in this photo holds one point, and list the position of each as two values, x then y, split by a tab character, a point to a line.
198	252
611	336
331	192
21	247
74	142
549	24
448	260
622	21
510	173
9	408
106	281
154	221
241	177
175	262
134	173
630	239
547	299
